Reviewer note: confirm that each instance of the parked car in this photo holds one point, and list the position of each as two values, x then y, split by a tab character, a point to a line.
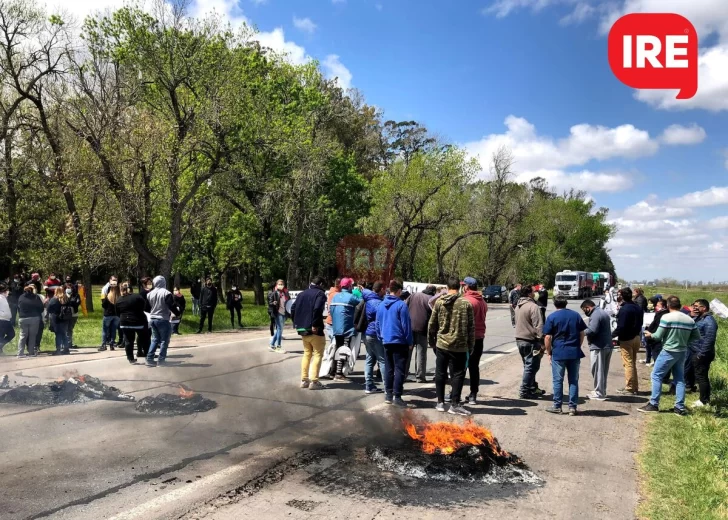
495	294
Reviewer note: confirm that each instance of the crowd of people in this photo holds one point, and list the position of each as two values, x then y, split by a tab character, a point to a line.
397	327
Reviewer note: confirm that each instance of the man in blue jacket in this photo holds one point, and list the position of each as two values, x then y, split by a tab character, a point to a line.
307	312
394	330
375	349
703	350
630	319
342	314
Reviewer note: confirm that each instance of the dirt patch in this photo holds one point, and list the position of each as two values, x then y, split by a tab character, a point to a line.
303	505
169	404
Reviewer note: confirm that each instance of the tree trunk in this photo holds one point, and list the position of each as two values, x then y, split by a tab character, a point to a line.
258	287
295	250
86	277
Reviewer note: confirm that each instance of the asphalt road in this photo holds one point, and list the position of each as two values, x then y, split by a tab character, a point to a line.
103	458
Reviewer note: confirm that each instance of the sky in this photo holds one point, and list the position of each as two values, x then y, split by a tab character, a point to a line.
534	75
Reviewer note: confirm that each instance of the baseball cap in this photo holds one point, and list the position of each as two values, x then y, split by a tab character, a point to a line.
470	281
346	282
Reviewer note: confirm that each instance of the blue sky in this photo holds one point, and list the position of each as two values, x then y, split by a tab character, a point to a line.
525	73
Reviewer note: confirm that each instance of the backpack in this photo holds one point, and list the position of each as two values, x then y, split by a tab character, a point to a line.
360	317
66	313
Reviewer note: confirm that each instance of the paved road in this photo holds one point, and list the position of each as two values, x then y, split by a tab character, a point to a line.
103	458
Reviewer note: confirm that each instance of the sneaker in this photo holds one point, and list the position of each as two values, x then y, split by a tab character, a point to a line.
409	379
399	403
458	409
650	364
595	397
648	408
624	391
448	398
340	377
643	362
440	407
198	332
112	347
388	399
280	350
132	361
680	411
102	348
22	356
315	385
151	365
472	399
554	410
530	396
372	390
537	391
572	412
422	381
305	384
698	404
270	347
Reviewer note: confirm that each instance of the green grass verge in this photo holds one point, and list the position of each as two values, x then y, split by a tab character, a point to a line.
87	333
684	460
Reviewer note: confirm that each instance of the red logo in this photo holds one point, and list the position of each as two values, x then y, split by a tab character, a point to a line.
655	51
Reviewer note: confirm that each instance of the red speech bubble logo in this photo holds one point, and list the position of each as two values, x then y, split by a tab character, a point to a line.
655	51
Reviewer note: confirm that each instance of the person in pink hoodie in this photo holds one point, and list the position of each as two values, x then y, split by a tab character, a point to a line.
480	309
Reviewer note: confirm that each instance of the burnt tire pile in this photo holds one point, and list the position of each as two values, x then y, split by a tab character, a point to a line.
80	389
169	404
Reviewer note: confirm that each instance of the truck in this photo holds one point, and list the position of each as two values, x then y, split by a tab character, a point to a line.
574	284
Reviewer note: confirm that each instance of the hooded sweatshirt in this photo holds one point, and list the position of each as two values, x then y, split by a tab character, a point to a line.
452	324
480	309
161	300
529	324
393	324
341	310
420	311
373	301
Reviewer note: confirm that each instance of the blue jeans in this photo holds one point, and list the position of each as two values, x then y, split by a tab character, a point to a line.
664	363
375	354
161	331
571	367
60	328
108	329
277	338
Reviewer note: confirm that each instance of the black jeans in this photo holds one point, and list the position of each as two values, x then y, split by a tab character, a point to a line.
474	366
531	364
395	357
701	364
129	335
233	310
7	333
456	364
144	341
689	370
208	313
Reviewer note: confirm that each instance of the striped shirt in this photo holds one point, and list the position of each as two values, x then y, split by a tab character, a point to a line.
676	331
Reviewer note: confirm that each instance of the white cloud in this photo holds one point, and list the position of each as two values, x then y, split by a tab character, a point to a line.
305	24
645	210
502	8
335	69
584	143
584	181
276	40
260	2
716	246
718	223
725	155
678	134
714	196
581	12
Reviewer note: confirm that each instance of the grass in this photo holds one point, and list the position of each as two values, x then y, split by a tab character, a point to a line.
684	460
87	333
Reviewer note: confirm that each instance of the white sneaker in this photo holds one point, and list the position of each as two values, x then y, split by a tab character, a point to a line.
698	404
643	361
596	397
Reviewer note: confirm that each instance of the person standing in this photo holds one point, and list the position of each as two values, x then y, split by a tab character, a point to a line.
144	338
60	314
234	303
162	306
640	300
277	300
394	329
652	346
630	319
132	320
208	302
342	313
307	313
35	280
329	318
451	334
513	298
74	300
111	317
420	312
703	350
16	289
563	338
542	300
480	310
599	335
529	339
51	284
375	350
676	332
195	292
30	320
7	332
181	303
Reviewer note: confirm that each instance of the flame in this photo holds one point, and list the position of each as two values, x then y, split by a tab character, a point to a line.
185	393
447	438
